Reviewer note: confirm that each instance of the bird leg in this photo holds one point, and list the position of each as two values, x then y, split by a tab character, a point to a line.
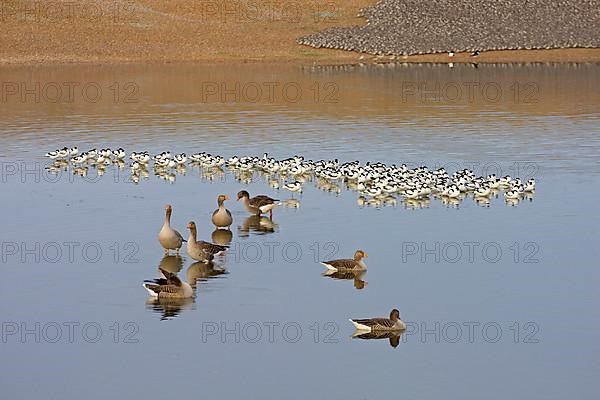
271	215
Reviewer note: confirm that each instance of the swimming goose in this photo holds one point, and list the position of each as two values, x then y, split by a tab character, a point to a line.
201	250
168	237
221	218
356	264
258	204
168	287
394	323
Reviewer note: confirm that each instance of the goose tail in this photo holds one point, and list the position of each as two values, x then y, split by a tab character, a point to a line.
329	267
360	327
148	286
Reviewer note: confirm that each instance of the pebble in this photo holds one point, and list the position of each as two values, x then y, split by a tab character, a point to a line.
398	27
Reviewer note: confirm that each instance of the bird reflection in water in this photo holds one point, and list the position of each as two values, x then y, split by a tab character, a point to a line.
328	186
169	308
257	224
171	263
202	272
291	203
393	336
356	276
222	237
212	174
415	204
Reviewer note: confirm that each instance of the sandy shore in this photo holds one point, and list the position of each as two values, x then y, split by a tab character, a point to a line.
205	31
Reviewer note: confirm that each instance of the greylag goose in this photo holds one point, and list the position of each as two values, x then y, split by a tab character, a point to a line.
201	250
221	218
394	323
169	286
258	204
357	264
168	237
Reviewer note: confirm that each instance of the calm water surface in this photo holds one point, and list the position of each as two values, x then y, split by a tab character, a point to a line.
502	301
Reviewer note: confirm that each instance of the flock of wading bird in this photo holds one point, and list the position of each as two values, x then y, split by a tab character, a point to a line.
376	183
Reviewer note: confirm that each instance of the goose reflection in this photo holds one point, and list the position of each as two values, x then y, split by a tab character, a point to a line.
200	271
169	308
258	224
171	263
356	276
222	237
394	337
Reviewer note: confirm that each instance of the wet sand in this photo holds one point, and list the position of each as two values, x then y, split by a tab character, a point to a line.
142	31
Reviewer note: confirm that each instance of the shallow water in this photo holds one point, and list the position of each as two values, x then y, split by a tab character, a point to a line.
501	300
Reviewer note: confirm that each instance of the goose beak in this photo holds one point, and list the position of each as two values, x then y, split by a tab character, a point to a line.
366	255
226	197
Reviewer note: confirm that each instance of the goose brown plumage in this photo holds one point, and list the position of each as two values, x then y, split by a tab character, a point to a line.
345	264
258	205
169	286
168	237
221	217
393	323
201	250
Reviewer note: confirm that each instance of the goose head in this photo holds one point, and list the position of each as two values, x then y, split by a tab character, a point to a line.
221	199
243	195
359	255
395	315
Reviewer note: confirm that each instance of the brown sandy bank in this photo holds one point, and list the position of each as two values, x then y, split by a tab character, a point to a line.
149	31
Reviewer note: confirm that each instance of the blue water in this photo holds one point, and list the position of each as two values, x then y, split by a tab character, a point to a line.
501	301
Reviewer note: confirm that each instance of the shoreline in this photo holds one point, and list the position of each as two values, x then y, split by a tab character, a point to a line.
552	56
